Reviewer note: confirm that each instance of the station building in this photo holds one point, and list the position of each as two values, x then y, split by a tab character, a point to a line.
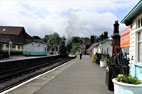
134	20
17	36
104	46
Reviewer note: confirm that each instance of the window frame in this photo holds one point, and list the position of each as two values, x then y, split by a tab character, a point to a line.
139	41
139	23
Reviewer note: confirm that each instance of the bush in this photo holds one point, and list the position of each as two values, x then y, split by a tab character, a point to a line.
128	79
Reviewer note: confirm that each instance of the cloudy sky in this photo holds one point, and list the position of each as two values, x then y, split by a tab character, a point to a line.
66	17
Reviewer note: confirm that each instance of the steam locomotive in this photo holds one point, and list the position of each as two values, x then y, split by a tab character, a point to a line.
63	50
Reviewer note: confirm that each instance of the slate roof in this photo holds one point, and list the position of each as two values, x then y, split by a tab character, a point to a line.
92	46
9	30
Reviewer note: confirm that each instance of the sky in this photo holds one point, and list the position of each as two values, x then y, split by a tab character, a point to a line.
66	17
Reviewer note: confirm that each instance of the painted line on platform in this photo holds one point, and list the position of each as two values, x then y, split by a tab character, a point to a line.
4	92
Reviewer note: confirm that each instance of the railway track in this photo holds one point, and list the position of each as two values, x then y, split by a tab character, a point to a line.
13	73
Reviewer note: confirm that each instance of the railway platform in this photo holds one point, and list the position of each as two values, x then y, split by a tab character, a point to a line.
75	77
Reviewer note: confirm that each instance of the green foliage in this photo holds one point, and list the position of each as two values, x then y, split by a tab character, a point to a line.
76	40
62	39
74	47
128	79
52	40
46	38
106	59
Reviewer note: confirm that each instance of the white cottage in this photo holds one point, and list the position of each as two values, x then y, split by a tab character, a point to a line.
105	46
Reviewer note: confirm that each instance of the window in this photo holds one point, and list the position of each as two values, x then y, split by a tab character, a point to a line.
13	46
139	23
7	46
21	47
139	46
18	46
0	46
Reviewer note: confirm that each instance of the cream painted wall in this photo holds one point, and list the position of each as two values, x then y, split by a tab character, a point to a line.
133	51
95	50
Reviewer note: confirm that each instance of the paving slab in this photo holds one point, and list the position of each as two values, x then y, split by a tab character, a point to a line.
31	86
83	77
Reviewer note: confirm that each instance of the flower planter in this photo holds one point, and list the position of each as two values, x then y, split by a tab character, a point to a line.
102	64
124	88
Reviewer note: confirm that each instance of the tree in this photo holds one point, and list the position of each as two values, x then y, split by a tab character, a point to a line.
75	47
46	37
62	39
52	40
76	40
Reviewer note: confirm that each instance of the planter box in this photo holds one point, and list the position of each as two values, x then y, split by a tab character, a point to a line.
103	64
124	88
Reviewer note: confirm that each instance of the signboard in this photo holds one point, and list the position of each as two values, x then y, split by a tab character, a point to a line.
125	38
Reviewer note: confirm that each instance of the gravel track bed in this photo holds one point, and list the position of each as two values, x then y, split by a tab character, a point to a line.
17	79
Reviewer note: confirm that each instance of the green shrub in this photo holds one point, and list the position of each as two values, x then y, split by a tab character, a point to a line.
128	79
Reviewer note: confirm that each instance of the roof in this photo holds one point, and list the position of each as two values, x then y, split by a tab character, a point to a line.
10	30
105	40
36	37
91	47
133	12
116	34
97	44
41	43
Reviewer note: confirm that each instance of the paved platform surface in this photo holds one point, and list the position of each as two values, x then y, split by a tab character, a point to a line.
83	77
33	85
20	57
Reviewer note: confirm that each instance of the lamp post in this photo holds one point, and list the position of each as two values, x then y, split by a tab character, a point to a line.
10	43
111	43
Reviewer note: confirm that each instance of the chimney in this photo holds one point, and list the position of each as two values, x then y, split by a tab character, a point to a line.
102	37
116	27
105	35
92	39
116	36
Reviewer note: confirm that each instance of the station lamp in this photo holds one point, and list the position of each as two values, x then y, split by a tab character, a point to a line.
10	43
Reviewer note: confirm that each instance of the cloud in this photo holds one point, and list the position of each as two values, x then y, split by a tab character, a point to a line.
86	24
67	17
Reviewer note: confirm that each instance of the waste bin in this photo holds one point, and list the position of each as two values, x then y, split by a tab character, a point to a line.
109	76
